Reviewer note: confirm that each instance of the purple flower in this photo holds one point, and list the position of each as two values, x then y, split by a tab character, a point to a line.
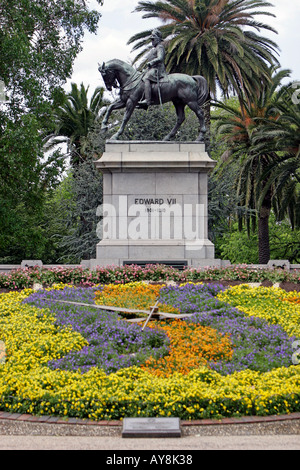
258	345
113	342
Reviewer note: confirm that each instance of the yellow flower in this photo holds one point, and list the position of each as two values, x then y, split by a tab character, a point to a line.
32	339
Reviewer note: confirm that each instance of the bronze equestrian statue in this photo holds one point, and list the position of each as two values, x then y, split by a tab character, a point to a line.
153	87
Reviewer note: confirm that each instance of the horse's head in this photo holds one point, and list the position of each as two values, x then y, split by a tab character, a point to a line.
109	76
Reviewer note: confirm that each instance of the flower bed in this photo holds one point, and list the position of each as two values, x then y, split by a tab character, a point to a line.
259	345
243	341
111	344
25	278
273	305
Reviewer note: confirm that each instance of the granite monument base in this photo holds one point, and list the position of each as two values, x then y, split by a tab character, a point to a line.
154	205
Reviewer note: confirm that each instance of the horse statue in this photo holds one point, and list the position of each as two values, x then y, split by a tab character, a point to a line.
179	88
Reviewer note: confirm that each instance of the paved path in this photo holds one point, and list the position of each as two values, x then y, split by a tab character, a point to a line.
27	432
110	443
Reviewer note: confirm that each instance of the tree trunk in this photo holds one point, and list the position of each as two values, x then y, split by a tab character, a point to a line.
263	234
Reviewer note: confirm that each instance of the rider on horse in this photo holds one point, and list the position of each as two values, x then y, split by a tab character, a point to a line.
183	90
156	65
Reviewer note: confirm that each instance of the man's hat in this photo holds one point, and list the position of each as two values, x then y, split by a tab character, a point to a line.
156	34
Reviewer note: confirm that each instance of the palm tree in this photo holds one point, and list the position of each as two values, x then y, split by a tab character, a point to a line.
74	119
242	127
209	37
283	135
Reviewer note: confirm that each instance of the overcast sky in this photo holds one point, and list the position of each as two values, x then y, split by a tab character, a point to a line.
118	23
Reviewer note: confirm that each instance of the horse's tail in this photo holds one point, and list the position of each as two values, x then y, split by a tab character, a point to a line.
202	89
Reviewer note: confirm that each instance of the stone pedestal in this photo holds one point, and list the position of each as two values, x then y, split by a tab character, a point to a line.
154	205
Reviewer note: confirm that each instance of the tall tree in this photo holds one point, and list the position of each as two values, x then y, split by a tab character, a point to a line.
241	126
39	41
215	38
283	134
71	215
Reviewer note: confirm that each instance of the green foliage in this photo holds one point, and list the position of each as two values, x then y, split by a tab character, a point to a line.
74	119
282	134
243	128
240	247
24	176
57	207
71	215
25	278
222	202
38	44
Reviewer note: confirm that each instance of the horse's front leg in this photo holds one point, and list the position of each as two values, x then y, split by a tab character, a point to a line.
130	105
116	105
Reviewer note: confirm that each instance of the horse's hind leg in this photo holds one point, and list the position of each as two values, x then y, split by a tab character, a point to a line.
200	115
179	106
130	105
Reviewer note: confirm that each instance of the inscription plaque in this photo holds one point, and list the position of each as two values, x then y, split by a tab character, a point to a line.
151	427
